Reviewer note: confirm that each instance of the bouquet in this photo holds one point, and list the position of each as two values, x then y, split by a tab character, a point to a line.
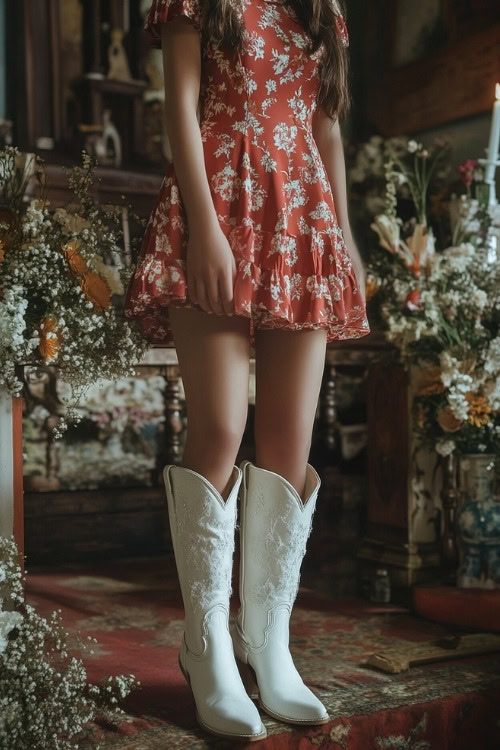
433	283
57	283
45	699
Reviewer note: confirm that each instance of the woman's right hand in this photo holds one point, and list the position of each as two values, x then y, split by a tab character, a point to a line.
211	270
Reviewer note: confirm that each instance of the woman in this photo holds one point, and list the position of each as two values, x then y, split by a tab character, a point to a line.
249	244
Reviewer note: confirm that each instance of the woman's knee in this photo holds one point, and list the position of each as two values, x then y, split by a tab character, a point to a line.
284	438
216	436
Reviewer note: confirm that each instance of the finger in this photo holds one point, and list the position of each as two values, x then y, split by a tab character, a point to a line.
226	293
213	295
202	296
191	290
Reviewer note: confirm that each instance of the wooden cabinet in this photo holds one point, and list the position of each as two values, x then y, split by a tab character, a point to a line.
403	503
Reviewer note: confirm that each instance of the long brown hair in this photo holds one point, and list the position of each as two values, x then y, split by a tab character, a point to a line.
220	24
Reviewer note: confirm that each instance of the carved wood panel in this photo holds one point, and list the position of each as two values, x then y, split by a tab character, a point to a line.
388	446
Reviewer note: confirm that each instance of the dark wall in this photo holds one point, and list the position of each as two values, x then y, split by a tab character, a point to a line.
470	135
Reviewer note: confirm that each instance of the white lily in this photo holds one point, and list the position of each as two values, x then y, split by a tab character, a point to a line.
419	250
388	230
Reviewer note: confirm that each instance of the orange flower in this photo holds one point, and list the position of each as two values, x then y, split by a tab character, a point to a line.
418	250
413	302
479	409
97	290
49	346
429	382
76	263
448	421
371	288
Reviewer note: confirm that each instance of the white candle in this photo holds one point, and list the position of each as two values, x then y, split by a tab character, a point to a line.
495	127
3	62
493	145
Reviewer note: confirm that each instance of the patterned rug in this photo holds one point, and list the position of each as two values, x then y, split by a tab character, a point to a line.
134	608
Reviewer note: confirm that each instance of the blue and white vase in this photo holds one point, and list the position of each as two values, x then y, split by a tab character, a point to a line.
478	524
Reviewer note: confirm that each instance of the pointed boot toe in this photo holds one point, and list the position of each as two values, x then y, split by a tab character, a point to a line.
303	707
238	719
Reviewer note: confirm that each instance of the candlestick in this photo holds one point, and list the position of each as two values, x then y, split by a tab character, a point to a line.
3	63
491	162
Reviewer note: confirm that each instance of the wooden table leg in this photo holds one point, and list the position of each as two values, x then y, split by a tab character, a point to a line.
174	424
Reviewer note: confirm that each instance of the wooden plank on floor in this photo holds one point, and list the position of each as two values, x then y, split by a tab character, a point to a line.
406	655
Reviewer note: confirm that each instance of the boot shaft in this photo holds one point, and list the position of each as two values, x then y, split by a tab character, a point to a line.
274	529
202	526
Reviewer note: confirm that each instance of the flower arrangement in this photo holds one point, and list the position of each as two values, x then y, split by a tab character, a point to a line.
45	699
440	307
56	290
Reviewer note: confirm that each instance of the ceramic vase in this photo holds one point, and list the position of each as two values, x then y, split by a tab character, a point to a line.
478	523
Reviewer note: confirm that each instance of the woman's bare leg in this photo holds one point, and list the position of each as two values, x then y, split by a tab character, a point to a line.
213	352
288	371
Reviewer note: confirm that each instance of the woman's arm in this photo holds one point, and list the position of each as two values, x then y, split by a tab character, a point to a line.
211	267
182	69
328	139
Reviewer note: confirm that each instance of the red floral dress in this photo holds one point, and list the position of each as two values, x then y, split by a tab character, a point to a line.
268	184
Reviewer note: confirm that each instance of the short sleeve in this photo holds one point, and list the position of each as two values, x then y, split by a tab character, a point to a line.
166	10
342	29
340	23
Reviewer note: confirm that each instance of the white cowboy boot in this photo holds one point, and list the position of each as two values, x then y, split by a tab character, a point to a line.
202	526
274	527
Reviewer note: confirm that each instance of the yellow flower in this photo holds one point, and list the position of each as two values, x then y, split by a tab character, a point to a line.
49	346
97	290
76	263
110	274
448	421
479	409
71	222
429	382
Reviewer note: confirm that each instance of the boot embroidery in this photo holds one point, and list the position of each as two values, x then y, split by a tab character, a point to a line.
208	544
281	551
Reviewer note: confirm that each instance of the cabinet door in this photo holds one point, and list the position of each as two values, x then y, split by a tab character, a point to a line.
388	451
33	82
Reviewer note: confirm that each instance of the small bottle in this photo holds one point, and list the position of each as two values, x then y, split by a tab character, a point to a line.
381	591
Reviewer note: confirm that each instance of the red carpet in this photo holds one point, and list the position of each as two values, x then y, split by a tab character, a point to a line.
133	607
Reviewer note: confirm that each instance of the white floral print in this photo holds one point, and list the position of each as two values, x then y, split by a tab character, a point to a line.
268	183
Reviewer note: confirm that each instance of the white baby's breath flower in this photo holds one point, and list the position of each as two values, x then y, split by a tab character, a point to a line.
8	621
45	699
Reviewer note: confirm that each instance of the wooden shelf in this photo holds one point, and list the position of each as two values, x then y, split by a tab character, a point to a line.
139	188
